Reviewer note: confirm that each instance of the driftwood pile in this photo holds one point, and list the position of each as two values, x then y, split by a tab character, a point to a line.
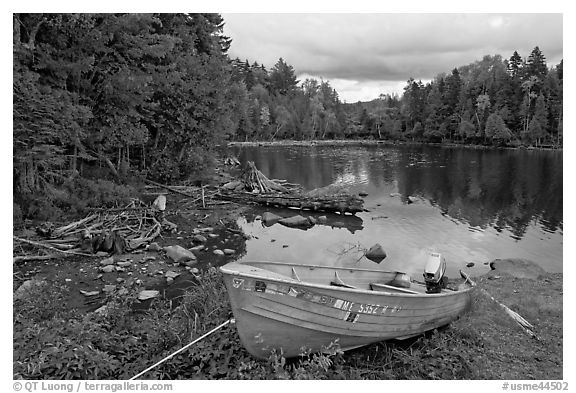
112	231
255	187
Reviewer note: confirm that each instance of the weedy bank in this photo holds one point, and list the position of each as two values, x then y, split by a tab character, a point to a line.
52	341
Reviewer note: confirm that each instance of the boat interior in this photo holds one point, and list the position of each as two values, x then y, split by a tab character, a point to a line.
354	278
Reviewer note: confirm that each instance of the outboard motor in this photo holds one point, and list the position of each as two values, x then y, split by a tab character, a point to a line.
434	273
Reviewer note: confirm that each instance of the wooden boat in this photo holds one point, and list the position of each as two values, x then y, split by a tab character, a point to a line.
289	307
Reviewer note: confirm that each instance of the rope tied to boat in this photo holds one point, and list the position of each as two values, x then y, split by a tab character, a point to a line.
231	320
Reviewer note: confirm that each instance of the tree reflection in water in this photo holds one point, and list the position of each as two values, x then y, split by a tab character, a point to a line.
506	191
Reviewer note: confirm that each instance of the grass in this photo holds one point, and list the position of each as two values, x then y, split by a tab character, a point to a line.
52	341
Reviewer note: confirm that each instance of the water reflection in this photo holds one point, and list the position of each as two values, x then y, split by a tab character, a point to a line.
491	203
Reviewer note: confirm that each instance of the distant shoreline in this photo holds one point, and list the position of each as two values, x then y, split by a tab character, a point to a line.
362	142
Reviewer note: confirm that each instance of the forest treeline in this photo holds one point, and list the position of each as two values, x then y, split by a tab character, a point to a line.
152	95
493	101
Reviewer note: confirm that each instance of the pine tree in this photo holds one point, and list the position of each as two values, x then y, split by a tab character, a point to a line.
283	78
536	65
515	65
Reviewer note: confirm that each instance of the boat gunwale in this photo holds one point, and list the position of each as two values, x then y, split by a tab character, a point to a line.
360	269
287	280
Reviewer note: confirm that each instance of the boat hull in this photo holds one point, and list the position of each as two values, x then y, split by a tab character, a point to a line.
277	312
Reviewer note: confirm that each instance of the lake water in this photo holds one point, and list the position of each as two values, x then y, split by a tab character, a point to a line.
471	205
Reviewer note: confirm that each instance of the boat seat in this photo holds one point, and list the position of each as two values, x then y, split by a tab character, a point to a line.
376	286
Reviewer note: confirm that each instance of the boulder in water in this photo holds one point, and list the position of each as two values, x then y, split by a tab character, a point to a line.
376	253
270	219
516	267
296	222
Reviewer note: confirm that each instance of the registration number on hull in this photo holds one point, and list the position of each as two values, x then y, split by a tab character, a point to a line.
305	294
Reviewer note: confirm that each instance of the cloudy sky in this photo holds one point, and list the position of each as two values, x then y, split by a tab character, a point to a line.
363	55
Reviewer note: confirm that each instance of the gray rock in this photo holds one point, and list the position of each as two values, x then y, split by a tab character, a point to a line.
218	252
123	264
269	219
312	220
189	263
229	251
148	294
179	254
296	222
521	268
101	254
26	286
120	269
198	248
107	261
109	288
89	293
194	271
108	269
171	274
169	280
159	203
123	292
376	253
395	194
120	280
199	239
102	310
213	235
412	199
206	230
322	219
154	247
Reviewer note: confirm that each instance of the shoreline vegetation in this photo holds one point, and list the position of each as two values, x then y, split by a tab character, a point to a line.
375	142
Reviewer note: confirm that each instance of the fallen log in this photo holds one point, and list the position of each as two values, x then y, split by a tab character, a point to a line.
327	203
26	258
38	244
170	188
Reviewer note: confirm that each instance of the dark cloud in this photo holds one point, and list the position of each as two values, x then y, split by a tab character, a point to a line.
377	48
